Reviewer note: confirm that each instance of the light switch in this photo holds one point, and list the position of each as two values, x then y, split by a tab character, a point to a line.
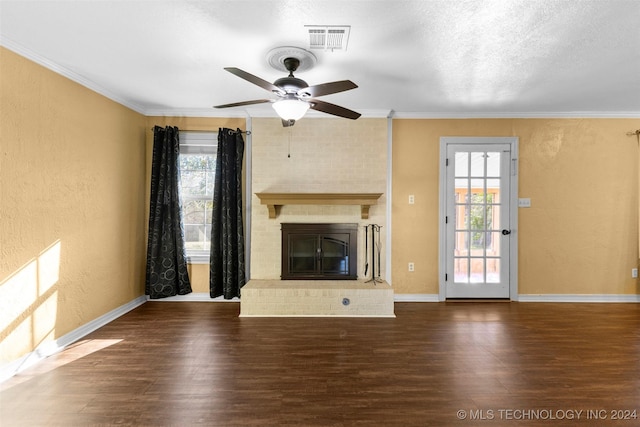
524	203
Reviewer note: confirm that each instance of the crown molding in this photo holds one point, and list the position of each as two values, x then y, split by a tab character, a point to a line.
263	112
521	115
252	113
195	112
71	75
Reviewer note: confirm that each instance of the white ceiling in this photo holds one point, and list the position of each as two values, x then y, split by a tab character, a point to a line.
414	58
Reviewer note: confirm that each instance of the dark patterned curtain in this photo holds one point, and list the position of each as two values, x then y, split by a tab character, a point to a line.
227	273
167	273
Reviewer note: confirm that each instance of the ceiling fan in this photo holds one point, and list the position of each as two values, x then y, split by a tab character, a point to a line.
295	96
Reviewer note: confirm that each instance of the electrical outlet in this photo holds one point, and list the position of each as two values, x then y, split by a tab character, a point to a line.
634	273
412	199
411	267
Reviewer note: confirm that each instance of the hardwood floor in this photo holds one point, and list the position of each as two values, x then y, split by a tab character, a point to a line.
500	364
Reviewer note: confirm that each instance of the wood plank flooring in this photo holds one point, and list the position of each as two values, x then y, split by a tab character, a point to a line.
500	364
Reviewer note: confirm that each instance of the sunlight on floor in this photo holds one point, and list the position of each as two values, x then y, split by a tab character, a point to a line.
68	355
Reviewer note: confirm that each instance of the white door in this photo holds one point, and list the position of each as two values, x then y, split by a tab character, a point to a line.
478	184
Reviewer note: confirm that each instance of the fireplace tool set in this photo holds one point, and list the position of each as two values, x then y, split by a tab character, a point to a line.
375	253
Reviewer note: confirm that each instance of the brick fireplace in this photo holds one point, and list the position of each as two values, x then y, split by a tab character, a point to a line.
316	156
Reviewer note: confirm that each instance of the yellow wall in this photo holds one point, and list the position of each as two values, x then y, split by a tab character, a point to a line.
71	208
581	234
74	195
198	273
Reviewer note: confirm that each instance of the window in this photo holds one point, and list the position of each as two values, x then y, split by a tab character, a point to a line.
197	173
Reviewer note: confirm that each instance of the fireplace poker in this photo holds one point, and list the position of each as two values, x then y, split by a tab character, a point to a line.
366	250
378	249
374	279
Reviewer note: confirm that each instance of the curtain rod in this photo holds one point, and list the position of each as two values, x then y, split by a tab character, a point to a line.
231	131
636	133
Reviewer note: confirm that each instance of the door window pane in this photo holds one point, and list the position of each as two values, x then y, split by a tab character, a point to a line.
493	164
492	243
461	270
462	243
462	184
477	184
462	164
462	219
477	164
477	270
493	270
476	217
493	187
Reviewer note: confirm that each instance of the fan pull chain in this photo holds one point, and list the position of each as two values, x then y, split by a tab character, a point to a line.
289	148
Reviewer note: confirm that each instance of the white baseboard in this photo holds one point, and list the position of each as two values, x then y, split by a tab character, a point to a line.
415	298
593	298
194	297
584	298
51	347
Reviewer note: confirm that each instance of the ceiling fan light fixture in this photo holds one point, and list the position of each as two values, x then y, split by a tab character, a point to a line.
291	109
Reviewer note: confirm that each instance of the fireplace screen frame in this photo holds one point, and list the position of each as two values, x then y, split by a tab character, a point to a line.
319	251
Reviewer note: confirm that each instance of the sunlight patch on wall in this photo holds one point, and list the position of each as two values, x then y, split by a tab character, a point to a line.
17	293
48	268
29	303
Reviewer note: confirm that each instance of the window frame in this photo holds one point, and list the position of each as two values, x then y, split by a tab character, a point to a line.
197	142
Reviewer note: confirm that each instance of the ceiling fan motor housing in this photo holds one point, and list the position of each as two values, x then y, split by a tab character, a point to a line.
291	84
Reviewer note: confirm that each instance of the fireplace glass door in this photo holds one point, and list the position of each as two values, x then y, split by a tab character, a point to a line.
319	251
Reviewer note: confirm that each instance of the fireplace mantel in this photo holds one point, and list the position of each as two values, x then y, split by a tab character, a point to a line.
275	200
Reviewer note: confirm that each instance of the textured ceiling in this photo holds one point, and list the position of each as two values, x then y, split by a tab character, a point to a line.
449	58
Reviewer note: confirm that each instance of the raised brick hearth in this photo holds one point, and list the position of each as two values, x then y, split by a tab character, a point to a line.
316	298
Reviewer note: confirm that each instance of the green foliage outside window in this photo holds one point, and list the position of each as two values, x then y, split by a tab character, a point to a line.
478	211
197	174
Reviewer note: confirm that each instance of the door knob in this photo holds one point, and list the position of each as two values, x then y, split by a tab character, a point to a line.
506	232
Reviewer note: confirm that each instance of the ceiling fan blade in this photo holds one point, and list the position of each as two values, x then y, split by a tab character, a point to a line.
327	88
254	79
336	110
239	104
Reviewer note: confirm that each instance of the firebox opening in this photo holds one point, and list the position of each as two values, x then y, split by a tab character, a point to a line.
320	251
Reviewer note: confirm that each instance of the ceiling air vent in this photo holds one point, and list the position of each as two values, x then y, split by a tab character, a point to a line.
328	37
